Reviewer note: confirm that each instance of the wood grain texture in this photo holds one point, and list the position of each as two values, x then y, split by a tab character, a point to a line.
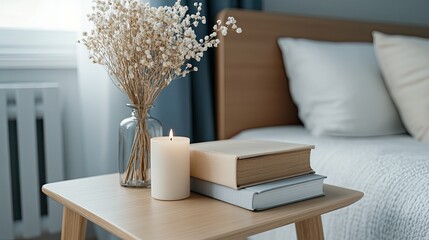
131	213
73	226
251	85
310	229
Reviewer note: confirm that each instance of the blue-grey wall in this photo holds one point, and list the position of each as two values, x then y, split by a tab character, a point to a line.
413	12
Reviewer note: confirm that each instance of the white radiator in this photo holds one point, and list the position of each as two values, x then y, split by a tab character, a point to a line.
25	105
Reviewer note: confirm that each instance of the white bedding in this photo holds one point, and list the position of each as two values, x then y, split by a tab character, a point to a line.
392	171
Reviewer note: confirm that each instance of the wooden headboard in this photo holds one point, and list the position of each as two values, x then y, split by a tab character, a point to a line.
251	85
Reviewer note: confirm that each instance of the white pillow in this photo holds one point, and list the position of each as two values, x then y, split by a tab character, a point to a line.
338	88
404	62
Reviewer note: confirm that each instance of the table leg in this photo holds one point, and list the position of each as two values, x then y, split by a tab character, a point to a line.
310	229
74	225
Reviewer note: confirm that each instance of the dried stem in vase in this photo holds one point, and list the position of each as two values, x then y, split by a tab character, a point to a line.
144	48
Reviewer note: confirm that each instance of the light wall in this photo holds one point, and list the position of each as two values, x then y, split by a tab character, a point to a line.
413	12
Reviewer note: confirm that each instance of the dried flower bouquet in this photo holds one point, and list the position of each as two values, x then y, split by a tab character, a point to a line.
144	48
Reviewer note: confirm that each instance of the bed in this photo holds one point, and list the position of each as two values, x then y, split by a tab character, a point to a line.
253	100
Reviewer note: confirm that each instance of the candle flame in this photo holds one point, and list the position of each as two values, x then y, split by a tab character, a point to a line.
170	136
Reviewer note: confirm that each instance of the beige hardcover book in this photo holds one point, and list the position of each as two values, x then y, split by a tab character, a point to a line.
238	163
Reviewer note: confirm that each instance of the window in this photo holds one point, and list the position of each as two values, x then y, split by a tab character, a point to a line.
40	14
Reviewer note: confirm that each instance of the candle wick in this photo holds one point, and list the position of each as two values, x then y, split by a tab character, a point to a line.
171	139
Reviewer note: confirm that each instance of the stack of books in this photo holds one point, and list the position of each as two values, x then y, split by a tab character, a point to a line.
254	174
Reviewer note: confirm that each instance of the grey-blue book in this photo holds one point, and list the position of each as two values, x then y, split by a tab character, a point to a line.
266	195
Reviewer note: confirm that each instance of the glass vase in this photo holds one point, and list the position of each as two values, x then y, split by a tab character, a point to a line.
135	133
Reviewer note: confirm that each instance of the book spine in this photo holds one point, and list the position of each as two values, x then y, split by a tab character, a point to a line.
214	167
241	198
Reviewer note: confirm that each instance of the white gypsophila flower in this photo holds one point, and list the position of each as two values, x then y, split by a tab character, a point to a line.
144	48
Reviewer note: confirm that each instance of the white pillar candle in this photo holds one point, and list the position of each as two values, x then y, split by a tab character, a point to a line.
170	178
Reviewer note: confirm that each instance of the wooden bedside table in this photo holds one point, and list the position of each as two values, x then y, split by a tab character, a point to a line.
131	213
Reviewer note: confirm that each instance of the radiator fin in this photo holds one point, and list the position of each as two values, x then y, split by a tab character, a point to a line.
31	153
28	169
6	217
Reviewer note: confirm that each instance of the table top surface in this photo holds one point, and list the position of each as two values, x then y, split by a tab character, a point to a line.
131	213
